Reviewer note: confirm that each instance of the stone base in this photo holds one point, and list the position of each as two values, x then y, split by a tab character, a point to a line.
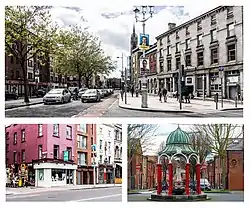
164	197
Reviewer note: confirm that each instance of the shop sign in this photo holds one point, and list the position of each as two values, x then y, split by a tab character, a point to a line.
66	156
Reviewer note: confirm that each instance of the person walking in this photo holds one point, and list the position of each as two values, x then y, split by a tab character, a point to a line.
164	92
132	91
160	94
122	93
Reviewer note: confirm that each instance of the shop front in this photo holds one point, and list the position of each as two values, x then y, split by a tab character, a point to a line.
49	174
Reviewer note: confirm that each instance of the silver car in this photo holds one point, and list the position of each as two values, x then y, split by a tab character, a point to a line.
81	91
58	95
101	92
91	95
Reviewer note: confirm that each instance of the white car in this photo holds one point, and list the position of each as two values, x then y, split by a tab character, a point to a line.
58	95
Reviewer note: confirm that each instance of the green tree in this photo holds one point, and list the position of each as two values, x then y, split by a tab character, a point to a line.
29	35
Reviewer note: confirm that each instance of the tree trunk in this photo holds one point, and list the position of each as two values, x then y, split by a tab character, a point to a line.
79	80
26	96
87	82
223	173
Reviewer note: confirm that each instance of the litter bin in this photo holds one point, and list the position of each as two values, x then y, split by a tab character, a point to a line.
20	183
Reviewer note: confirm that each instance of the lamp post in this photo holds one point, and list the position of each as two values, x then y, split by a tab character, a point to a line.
144	10
125	80
105	170
114	165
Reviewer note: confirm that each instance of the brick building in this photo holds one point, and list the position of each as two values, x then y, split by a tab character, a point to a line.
206	44
86	136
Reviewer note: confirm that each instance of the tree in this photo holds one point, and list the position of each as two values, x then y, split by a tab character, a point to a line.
217	138
29	35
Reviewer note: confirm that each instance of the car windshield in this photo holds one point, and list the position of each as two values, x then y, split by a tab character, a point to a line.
55	92
82	89
90	92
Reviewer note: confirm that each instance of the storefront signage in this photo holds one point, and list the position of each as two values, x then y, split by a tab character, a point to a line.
66	156
93	147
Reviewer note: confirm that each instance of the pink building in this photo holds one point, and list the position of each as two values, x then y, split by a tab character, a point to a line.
42	152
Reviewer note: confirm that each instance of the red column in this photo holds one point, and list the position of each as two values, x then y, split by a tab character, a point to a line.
105	175
159	174
187	178
170	174
198	178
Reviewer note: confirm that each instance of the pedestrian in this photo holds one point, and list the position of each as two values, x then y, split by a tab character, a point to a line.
132	91
122	93
160	94
164	92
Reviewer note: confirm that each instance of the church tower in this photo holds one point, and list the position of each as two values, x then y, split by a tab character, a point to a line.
133	40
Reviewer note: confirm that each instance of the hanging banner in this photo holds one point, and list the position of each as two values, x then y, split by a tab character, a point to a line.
144	41
144	65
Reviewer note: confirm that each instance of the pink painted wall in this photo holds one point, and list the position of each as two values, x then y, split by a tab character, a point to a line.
32	141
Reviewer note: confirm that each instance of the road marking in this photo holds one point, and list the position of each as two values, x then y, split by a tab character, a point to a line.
112	104
99	197
21	196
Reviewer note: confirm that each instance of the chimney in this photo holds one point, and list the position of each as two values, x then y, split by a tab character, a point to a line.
171	26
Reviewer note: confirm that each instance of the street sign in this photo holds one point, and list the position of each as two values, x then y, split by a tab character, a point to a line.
221	68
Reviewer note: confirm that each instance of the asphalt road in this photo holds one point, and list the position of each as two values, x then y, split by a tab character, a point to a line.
235	196
116	111
57	110
113	194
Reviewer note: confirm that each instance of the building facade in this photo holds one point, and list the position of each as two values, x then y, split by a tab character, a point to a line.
42	153
205	45
118	152
86	137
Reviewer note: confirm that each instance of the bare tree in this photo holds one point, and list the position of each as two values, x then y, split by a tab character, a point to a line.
218	137
162	146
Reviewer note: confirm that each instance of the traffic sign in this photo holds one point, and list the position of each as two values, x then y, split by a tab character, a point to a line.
221	68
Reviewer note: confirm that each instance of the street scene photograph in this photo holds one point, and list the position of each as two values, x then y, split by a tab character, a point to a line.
185	162
124	61
63	162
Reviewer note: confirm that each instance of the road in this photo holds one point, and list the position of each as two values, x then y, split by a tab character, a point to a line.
234	196
107	108
95	195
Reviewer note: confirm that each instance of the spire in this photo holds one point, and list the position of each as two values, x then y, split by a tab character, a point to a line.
133	28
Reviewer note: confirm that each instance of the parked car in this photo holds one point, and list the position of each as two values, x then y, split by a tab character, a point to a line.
10	95
81	91
58	95
105	91
40	92
91	95
101	92
205	185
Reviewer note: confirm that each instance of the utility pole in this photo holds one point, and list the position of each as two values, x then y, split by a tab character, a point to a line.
221	81
179	82
125	85
203	84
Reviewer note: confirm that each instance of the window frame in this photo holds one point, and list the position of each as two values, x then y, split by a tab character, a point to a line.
199	57
228	51
69	129
56	134
23	135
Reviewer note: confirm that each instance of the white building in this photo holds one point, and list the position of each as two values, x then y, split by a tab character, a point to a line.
118	150
206	44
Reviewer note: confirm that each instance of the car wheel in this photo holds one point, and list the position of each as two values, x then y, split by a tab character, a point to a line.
83	101
62	101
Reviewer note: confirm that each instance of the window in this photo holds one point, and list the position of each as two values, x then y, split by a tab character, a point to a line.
187	43
23	156
160	42
109	133
82	158
30	63
69	132
101	159
213	19
69	149
177	35
109	160
168	39
92	140
15	138
7	148
82	128
51	78
100	130
30	75
213	35
7	135
55	129
230	30
187	31
214	56
56	151
168	50
177	45
109	146
58	174
23	135
231	56
161	53
199	40
11	59
178	63
82	142
40	151
100	144
230	12
189	80
40	130
14	157
188	60
161	66
199	25
169	65
200	58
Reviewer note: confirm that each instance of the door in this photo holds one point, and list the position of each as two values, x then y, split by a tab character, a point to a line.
232	92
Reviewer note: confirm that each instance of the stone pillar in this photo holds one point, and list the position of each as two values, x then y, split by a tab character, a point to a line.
165	83
173	82
74	177
194	84
170	173
159	174
105	175
198	178
187	178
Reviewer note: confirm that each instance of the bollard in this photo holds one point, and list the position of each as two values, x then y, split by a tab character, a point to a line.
235	101
216	100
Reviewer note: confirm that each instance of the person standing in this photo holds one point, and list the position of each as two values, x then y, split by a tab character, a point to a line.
164	92
132	91
160	94
122	93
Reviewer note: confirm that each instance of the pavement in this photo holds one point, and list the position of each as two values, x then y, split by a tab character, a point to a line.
73	109
197	106
10	104
111	193
223	197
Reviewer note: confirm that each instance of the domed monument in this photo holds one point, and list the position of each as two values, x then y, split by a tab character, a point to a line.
178	153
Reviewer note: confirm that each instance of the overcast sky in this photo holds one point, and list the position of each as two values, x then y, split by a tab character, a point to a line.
113	23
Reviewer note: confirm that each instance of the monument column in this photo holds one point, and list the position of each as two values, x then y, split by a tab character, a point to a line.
170	173
187	178
159	174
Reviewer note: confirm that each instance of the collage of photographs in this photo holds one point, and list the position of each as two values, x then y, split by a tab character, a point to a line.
132	103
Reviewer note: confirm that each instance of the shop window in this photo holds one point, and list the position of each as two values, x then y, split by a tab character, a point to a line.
56	151
56	130
15	138
69	132
40	130
41	174
58	174
23	135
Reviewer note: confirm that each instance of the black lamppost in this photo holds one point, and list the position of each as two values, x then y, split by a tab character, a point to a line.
105	170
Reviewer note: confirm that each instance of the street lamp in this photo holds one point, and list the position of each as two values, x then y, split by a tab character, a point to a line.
144	10
105	170
114	165
125	80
